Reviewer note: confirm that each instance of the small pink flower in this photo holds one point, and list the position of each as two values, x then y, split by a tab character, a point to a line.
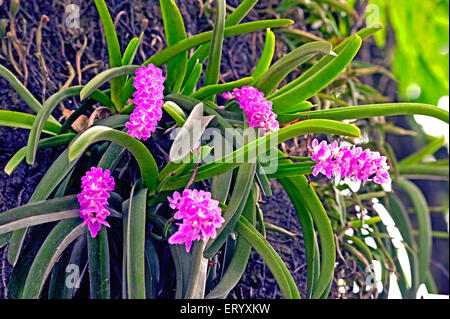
201	217
93	198
349	162
256	108
148	98
227	95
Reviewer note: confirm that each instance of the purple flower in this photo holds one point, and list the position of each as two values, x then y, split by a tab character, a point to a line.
201	217
256	108
93	198
148	98
349	162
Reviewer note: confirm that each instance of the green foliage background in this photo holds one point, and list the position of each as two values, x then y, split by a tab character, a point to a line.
422	45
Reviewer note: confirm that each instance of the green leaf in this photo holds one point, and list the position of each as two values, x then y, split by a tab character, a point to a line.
26	95
241	190
266	57
280	69
115	54
106	76
424	171
36	213
147	164
214	89
270	256
430	149
192	80
136	244
301	107
54	175
23	120
42	117
175	112
241	254
294	169
371	110
64	233
234	18
175	31
131	50
319	80
424	222
309	236
215	51
328	254
50	142
99	268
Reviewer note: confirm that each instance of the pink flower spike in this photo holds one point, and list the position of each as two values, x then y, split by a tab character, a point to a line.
148	98
200	214
257	109
349	162
93	198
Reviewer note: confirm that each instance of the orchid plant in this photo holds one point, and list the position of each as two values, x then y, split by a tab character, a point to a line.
196	211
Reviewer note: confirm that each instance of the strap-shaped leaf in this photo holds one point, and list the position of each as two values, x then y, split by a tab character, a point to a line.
429	149
266	56
241	191
371	110
175	112
214	89
175	31
131	50
278	71
424	223
54	175
23	120
309	236
215	50
192	80
294	169
105	77
241	254
115	54
234	18
36	213
57	241
26	95
147	164
328	254
99	265
270	256
136	244
319	80
53	141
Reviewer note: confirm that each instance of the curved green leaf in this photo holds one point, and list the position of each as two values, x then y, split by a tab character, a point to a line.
147	164
23	120
53	141
319	80
280	69
371	110
266	56
214	89
136	244
57	241
99	265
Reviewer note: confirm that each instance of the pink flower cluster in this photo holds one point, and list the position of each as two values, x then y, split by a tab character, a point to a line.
93	198
201	217
256	107
148	98
347	162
